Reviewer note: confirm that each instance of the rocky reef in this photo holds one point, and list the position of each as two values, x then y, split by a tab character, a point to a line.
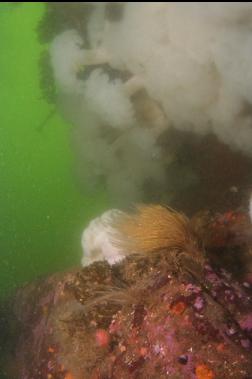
146	316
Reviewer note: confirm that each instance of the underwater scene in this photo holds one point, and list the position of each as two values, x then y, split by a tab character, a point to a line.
126	190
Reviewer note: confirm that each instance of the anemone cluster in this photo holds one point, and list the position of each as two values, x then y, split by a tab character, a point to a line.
129	76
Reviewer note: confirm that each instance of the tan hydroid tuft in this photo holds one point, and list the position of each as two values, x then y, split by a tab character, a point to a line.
156	228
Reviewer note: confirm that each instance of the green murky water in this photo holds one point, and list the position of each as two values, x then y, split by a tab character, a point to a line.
42	213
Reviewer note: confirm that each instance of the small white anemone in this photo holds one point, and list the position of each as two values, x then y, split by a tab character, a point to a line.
97	240
68	57
109	100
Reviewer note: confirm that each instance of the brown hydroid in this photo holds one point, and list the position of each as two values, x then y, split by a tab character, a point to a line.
152	231
155	228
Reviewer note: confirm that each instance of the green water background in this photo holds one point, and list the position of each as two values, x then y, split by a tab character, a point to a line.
42	212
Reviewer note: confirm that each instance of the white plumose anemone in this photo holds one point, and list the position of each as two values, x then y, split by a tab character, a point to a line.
97	240
159	66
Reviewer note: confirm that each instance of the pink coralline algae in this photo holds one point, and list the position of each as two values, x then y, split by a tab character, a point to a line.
246	322
199	303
